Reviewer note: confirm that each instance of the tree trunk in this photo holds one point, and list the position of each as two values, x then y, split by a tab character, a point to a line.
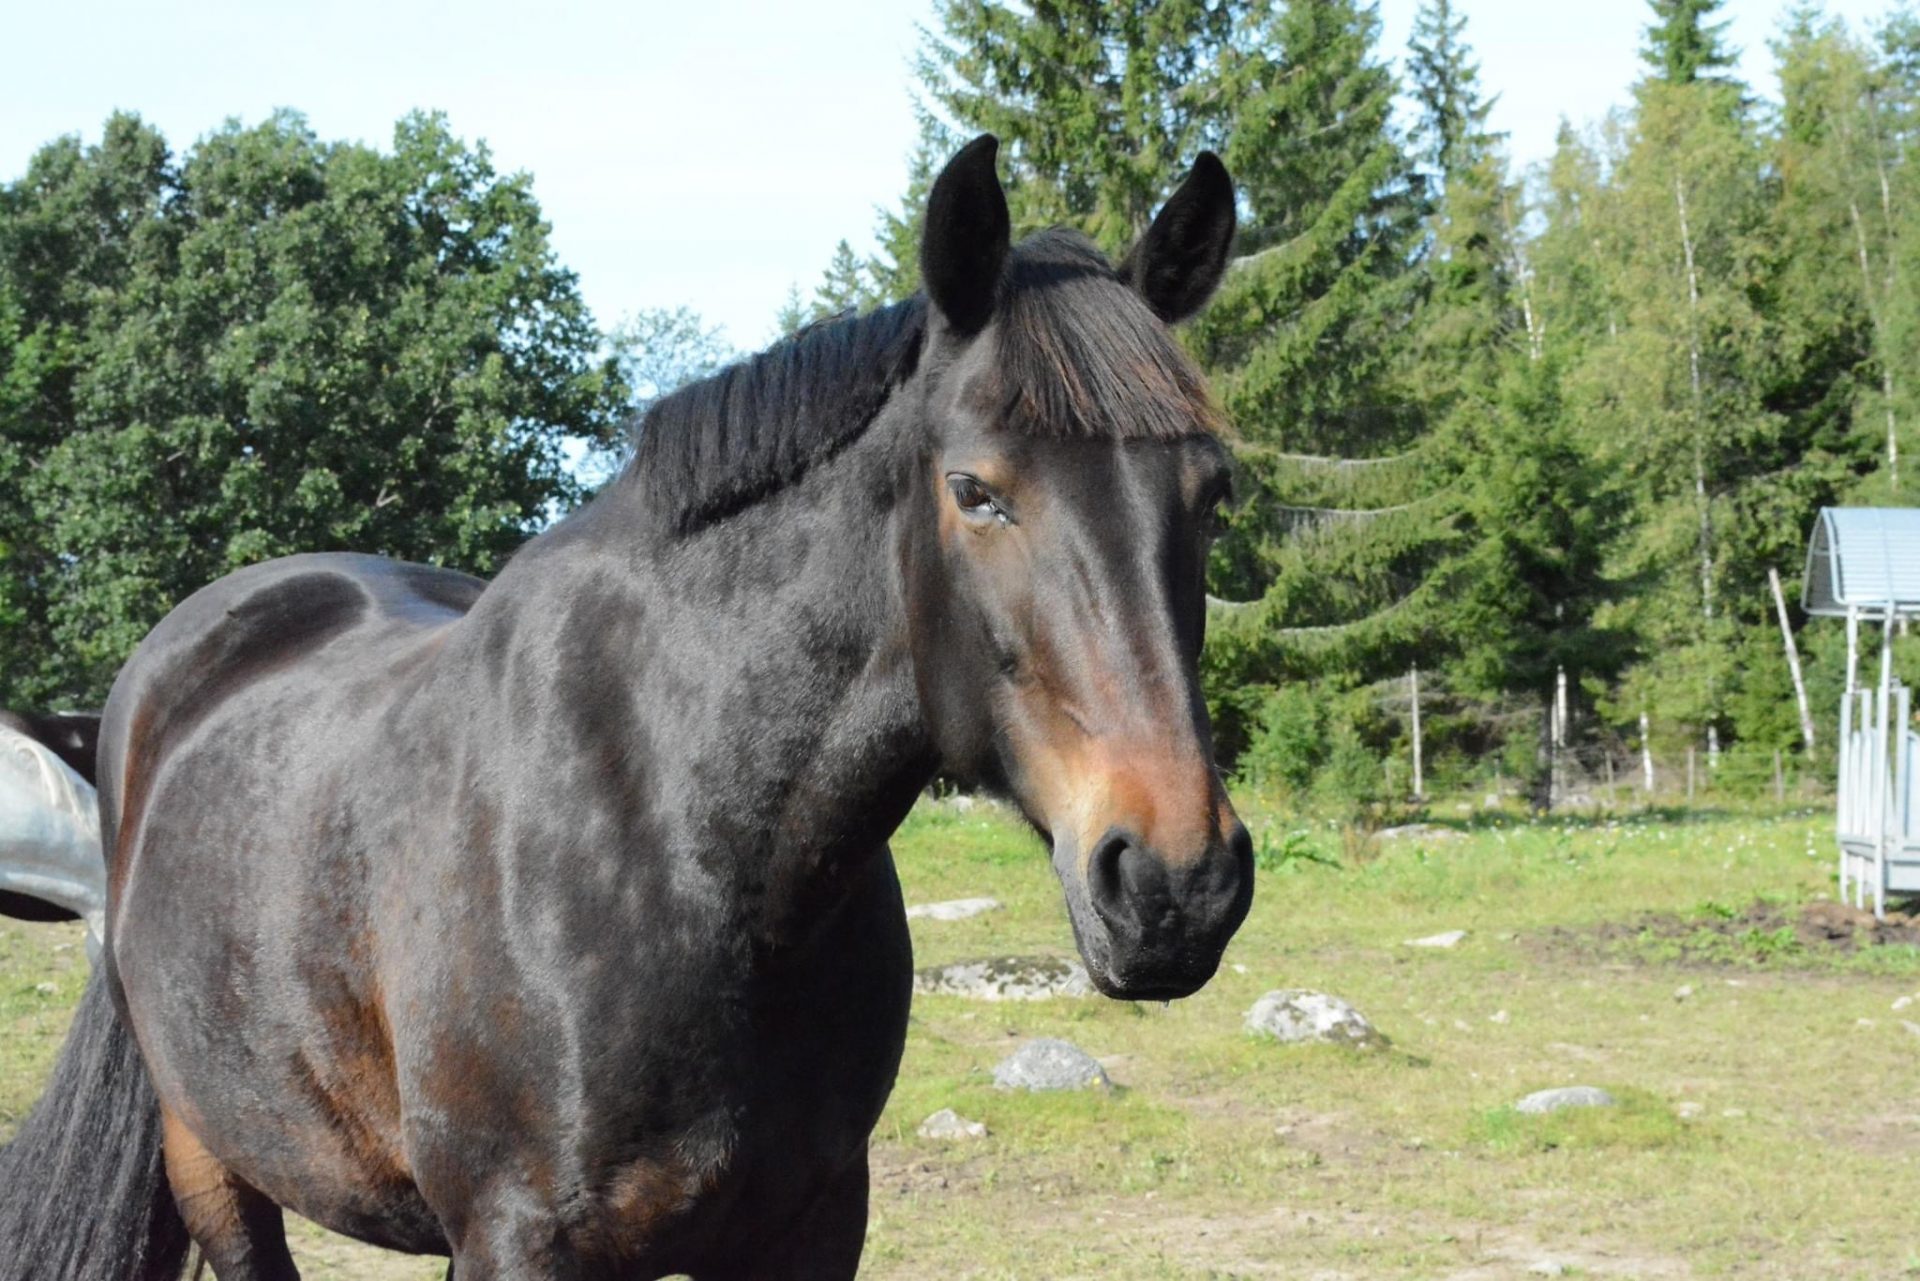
1793	659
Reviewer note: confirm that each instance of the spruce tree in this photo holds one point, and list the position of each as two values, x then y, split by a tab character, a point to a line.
1682	46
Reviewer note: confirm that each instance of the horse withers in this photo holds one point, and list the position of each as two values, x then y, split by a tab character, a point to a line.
550	924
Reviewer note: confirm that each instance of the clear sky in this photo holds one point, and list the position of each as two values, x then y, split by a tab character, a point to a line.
707	155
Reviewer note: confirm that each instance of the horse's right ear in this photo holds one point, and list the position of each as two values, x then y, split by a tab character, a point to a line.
1180	260
965	242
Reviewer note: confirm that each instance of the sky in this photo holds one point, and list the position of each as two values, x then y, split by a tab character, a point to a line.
701	155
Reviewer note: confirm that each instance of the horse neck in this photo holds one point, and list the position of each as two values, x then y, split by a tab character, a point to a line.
769	696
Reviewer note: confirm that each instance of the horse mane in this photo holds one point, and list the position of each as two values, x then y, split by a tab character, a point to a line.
1078	355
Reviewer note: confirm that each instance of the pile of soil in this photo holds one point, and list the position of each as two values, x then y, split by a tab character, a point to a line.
1819	927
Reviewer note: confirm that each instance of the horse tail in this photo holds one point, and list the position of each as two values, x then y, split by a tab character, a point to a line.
83	1188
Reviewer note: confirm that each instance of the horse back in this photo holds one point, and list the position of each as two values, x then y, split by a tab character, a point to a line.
268	620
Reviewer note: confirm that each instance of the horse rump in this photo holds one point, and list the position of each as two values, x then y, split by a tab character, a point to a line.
83	1187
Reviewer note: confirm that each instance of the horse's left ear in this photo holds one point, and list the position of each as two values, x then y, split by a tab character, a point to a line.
1180	260
965	242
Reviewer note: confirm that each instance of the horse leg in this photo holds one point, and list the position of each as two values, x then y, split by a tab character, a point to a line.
239	1231
824	1245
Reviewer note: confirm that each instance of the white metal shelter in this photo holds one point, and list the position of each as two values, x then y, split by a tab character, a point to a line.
50	832
1863	565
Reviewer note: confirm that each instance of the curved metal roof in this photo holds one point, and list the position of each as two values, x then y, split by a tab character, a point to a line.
1865	558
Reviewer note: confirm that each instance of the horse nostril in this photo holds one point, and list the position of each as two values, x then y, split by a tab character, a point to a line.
1240	849
1127	885
1223	886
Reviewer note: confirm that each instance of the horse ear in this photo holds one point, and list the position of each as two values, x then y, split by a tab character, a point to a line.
965	242
1180	260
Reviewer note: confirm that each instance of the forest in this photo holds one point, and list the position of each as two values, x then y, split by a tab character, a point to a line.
1534	453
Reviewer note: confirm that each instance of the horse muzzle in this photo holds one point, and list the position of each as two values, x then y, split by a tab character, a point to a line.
1148	928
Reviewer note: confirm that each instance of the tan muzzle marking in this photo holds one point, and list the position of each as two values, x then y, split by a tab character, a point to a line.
1165	800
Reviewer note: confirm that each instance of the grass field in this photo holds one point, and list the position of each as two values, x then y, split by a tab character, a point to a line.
1769	1114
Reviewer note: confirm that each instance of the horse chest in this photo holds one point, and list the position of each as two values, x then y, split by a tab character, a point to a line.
674	1107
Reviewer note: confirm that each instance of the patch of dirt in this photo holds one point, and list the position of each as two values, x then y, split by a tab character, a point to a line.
1287	1241
1892	1136
1760	933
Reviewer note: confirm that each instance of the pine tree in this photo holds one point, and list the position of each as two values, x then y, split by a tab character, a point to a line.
1098	106
1445	83
1305	335
1682	46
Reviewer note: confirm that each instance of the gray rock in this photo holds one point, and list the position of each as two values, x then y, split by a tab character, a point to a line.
1005	978
1048	1064
1568	1096
953	909
949	1126
1451	938
1293	1015
1548	1268
1421	831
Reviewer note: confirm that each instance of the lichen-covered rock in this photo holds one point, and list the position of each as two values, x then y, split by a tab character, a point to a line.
949	1126
1293	1015
1567	1096
1045	1063
1005	978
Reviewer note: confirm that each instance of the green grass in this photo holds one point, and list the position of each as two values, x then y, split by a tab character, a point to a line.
1767	1123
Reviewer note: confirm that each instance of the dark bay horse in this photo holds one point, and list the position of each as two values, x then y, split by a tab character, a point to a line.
549	923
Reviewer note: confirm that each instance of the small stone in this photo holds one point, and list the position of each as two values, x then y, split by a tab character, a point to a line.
1449	939
1498	1016
1568	1096
1863	1023
1687	1110
44	989
1239	968
949	1126
1682	992
1045	1063
1293	1015
1461	1025
1421	831
1547	1268
1911	1026
1901	1003
956	909
1005	978
1733	1113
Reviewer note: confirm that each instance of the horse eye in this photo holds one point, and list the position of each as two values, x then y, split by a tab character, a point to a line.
970	494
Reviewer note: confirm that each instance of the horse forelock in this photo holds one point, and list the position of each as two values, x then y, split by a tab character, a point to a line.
1079	356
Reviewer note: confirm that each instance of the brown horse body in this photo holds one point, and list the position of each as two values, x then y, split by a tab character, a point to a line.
549	923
